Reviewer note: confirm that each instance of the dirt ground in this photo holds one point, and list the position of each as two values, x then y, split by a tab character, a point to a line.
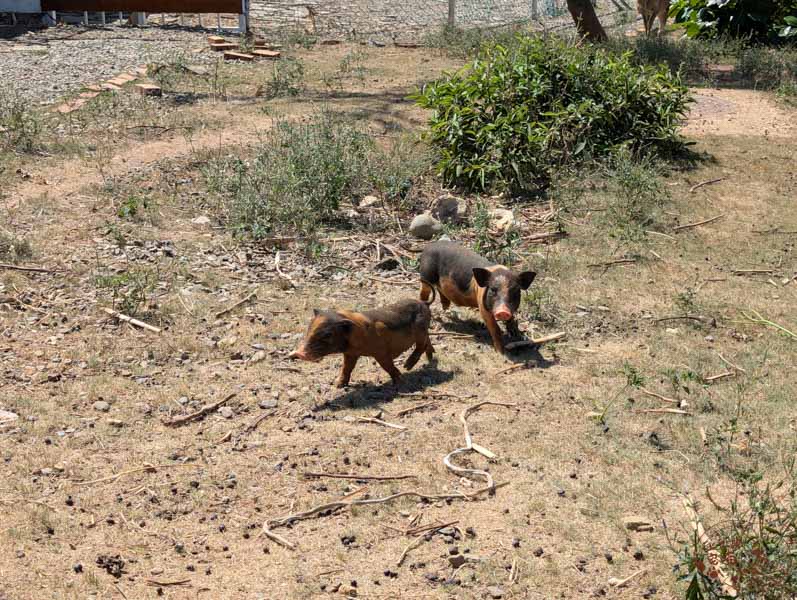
101	498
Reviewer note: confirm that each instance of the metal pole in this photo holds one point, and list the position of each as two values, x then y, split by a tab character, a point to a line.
182	20
218	21
85	18
102	17
199	15
452	12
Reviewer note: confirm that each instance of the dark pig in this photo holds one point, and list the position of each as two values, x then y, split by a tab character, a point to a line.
383	333
467	279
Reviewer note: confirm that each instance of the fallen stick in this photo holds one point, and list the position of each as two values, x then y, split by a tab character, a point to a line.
705	222
208	408
279	271
513	368
221	313
147	467
274	537
27	269
659	396
409	549
704	183
390	281
380	422
451	334
407	411
545	237
154	583
433	526
730	364
535	341
359	477
116	314
611	263
714	556
670	411
751	271
719	376
621	583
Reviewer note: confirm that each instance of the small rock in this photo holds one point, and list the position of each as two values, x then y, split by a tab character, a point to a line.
639	555
635	523
387	264
425	227
446	209
116	423
453	550
226	412
77	568
102	406
201	220
268	403
502	219
539	552
456	561
709	338
368	202
495	592
516	543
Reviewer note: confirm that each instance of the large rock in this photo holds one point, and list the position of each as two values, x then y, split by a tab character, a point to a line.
425	227
7	418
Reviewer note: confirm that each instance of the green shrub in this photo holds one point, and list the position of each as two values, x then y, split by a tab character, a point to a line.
13	248
755	540
287	79
755	20
519	111
297	178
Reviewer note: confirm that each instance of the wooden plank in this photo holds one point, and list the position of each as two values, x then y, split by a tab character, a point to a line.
221	46
266	53
238	56
150	6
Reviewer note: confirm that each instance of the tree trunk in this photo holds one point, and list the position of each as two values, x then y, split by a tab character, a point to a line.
587	23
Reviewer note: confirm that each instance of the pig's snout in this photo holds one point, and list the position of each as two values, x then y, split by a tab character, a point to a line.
298	354
502	313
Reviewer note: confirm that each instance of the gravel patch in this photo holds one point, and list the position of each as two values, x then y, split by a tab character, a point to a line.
48	64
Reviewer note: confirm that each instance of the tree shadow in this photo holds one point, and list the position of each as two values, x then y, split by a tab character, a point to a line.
365	394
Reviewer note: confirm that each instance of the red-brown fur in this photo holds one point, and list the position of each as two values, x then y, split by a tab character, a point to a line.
650	9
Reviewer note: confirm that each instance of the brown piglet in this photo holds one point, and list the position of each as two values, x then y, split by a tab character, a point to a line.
382	333
463	277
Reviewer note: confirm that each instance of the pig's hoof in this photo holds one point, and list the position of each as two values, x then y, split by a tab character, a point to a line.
341	384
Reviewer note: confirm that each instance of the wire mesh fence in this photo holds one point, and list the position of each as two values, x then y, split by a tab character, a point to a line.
411	19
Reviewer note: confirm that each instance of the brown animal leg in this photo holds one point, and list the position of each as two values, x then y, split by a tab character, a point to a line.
387	364
426	291
429	350
493	328
662	22
648	20
444	301
413	358
345	372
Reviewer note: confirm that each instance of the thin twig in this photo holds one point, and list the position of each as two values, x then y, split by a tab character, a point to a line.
751	271
28	269
380	422
730	364
671	411
719	376
409	548
277	538
411	409
535	341
756	318
702	183
147	467
154	583
116	314
659	396
619	261
356	476
208	408
250	297
706	222
277	259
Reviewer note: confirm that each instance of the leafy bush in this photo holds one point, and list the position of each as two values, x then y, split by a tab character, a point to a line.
757	20
297	178
287	79
519	111
755	541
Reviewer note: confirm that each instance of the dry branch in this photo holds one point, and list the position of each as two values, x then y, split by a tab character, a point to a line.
705	222
719	376
703	183
154	583
26	269
147	467
535	342
355	476
208	408
380	422
282	275
752	271
659	396
670	411
250	297
611	263
730	364
116	314
713	555
407	411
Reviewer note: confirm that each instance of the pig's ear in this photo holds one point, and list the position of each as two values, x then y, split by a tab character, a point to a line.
526	278
482	276
345	325
316	312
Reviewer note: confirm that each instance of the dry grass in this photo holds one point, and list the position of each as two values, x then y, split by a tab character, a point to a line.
572	477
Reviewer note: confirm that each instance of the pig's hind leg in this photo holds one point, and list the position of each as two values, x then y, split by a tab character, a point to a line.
422	344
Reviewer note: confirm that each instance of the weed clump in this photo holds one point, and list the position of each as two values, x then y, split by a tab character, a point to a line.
521	110
20	127
297	178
